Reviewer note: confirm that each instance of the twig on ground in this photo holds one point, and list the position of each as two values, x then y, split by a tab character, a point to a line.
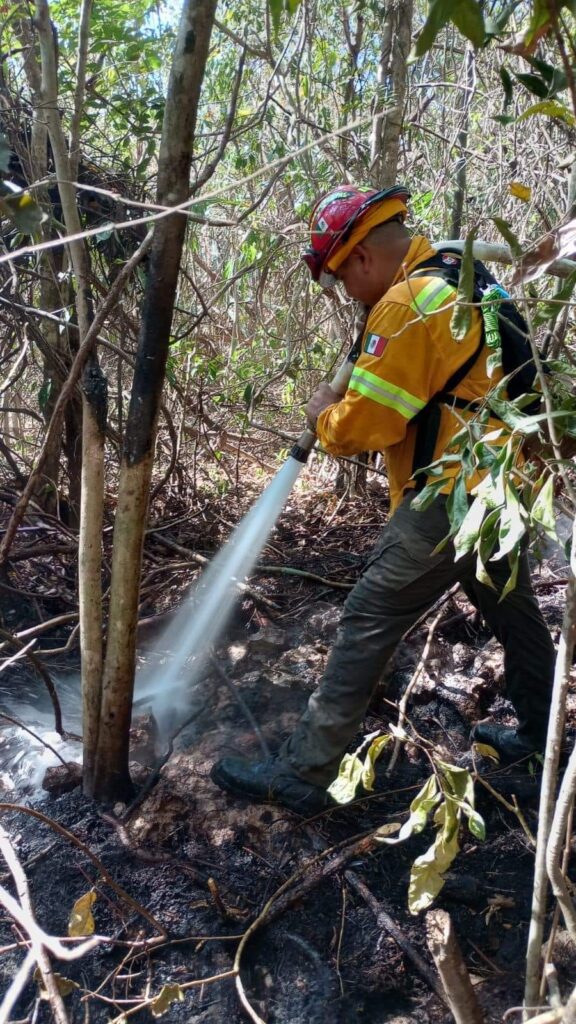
385	922
56	827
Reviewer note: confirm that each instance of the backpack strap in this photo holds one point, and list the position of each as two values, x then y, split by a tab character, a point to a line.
428	419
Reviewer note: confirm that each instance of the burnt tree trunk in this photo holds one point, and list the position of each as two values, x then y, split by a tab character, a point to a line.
111	779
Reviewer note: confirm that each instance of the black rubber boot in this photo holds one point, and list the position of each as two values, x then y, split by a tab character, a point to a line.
271	781
507	741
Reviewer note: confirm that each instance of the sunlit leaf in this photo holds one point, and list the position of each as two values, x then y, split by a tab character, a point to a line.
343	789
462	315
390	829
476	823
485	750
542	511
467	534
168	994
550	108
520	191
372	755
426	876
422	805
81	921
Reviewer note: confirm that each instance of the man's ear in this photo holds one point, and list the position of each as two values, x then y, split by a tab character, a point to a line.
362	253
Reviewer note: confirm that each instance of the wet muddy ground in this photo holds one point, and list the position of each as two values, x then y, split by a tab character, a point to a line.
196	867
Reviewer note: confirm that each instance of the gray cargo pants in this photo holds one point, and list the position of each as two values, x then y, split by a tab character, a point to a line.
400	582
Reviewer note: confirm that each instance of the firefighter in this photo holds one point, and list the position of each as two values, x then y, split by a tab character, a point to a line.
408	355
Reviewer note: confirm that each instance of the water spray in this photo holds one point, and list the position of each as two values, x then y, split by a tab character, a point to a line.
168	688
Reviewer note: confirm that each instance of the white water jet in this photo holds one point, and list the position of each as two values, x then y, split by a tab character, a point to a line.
207	607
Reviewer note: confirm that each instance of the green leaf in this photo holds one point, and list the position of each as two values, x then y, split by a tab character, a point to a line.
507	85
467	16
275	7
343	789
462	315
422	805
439	13
426	879
469	530
550	108
511	529
23	211
374	750
547	312
514	562
168	994
485	750
542	511
534	84
457	504
476	823
428	494
507	233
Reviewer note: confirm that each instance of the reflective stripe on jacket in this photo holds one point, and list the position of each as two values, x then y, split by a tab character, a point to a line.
408	355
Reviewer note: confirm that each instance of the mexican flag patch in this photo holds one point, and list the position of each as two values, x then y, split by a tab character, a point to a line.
375	344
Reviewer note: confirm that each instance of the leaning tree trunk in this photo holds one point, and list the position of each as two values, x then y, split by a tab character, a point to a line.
94	401
111	779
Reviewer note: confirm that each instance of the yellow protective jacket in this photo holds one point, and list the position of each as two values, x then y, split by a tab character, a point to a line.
408	355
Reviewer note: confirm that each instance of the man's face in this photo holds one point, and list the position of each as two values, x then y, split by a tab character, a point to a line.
352	273
367	273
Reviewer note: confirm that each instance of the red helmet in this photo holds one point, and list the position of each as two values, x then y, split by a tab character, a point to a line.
334	217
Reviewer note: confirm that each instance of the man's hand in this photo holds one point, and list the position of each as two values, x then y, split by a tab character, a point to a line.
320	400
